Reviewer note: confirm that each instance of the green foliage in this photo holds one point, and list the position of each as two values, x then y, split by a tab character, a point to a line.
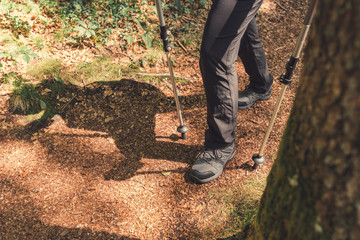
131	24
12	15
24	52
94	22
101	69
186	19
62	34
18	26
97	19
129	19
86	30
147	60
26	6
25	99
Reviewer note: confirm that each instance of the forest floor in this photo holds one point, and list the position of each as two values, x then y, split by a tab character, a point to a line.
110	164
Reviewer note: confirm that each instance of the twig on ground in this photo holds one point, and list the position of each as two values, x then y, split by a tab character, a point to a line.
161	75
107	202
68	102
249	120
283	8
182	46
59	202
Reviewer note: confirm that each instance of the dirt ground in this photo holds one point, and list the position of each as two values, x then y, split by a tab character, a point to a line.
111	165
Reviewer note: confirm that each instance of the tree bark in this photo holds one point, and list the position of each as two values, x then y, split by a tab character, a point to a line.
313	189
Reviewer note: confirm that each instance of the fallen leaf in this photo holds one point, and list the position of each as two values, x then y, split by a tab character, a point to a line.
166	173
24	174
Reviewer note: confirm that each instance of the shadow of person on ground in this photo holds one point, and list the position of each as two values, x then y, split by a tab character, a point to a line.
126	111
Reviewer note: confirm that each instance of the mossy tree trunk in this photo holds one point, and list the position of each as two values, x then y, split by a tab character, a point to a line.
313	190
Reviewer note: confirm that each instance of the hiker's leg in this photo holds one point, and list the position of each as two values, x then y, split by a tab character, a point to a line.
224	29
253	57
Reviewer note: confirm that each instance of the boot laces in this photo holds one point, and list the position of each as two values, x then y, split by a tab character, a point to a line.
211	155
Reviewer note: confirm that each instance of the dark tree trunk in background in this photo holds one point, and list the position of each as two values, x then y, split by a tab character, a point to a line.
313	190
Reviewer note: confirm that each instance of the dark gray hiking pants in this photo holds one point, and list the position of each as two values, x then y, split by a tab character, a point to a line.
230	31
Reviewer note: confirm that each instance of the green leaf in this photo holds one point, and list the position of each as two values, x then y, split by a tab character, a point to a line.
34	55
153	8
77	6
71	40
26	58
147	40
78	28
42	104
203	2
82	23
130	39
88	34
92	25
82	31
93	33
138	23
59	79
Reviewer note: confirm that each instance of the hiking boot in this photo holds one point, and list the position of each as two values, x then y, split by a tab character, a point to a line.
210	163
248	97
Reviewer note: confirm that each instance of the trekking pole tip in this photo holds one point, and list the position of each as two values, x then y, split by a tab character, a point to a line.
258	159
183	129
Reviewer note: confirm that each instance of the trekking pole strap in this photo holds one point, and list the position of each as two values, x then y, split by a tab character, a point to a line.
290	67
163	29
164	36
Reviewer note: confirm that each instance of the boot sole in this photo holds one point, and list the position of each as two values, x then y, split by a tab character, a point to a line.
216	175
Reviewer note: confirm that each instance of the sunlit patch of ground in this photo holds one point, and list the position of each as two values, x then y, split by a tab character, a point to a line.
268	6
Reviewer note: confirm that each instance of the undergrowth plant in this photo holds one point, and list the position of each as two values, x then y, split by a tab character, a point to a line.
133	21
97	19
24	99
18	26
13	55
131	24
45	69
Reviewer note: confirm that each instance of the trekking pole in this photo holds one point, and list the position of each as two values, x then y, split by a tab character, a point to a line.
285	79
167	48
